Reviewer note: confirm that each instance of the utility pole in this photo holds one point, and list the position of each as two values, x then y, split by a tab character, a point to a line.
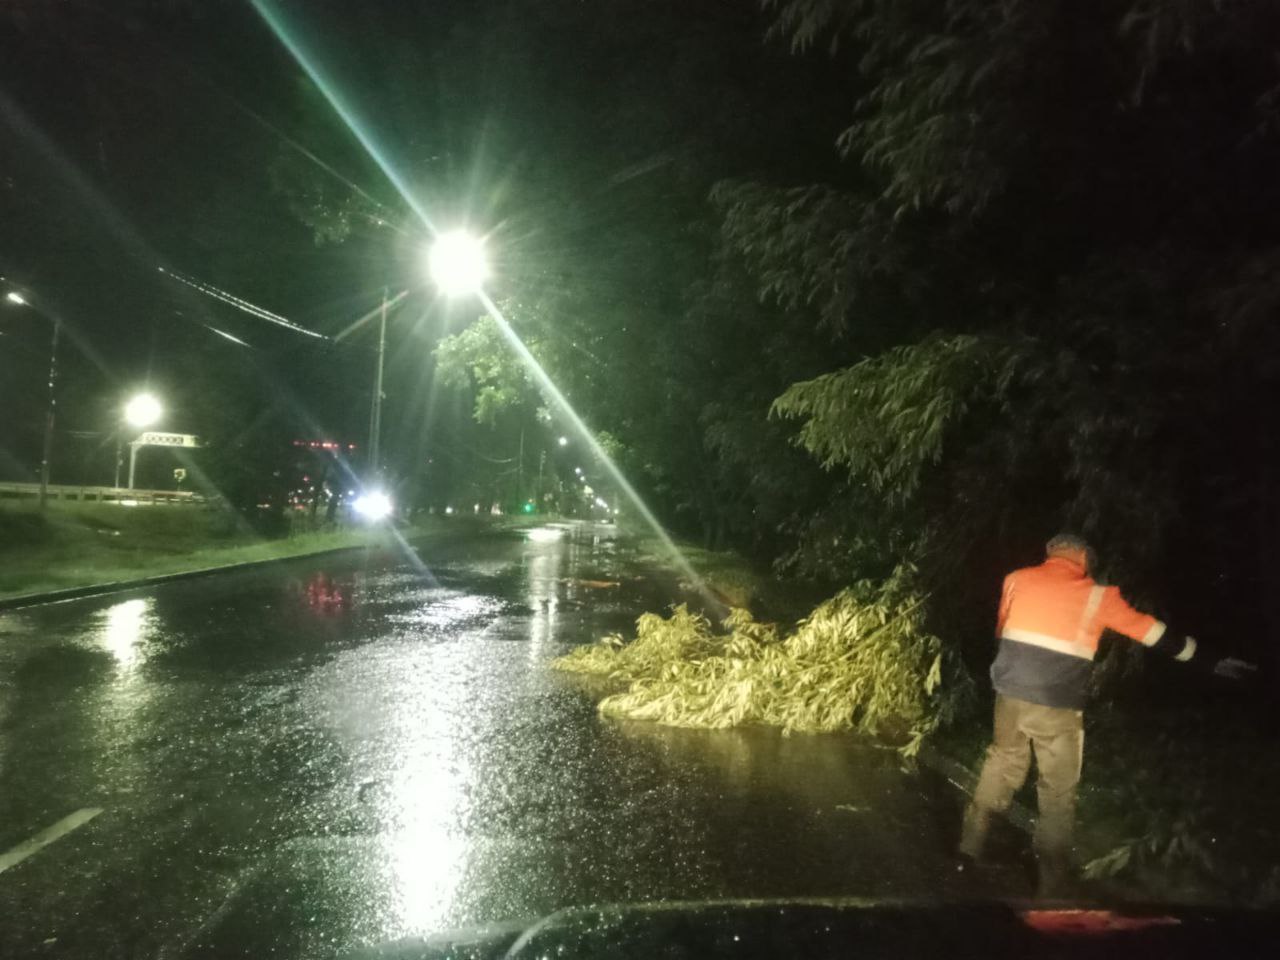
542	463
47	449
133	461
375	412
520	475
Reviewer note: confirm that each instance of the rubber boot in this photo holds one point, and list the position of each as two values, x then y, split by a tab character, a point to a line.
973	835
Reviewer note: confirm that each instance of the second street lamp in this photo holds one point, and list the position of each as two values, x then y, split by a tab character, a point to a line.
140	412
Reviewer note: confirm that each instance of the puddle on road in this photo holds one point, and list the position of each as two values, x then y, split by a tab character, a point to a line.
381	757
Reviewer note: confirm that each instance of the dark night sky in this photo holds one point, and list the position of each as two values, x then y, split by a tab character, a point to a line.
128	144
147	135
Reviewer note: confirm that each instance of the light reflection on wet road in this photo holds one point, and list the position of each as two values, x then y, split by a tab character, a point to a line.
341	750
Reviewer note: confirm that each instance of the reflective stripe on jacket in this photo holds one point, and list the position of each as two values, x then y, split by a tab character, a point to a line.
1051	619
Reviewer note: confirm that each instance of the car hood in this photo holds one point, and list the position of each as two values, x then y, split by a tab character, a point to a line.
842	928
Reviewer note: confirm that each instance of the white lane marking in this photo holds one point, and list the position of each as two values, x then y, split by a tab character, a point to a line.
46	836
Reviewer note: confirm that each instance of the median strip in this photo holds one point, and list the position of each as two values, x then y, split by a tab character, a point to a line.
47	836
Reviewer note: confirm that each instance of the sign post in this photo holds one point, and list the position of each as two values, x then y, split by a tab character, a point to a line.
154	438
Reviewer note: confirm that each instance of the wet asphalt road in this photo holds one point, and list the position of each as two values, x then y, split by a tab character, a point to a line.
344	750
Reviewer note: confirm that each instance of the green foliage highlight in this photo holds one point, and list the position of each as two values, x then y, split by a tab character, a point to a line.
862	660
886	418
480	358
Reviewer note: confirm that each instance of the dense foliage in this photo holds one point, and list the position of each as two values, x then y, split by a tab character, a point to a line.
1043	278
1048	252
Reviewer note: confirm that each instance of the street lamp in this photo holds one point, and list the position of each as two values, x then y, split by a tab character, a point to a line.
564	441
458	263
46	448
459	267
140	412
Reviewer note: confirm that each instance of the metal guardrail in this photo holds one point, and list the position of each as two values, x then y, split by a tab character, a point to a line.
63	491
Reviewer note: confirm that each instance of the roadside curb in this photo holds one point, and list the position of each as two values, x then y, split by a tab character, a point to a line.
119	586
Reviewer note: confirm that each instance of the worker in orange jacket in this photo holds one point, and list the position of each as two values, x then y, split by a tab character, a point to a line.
1051	618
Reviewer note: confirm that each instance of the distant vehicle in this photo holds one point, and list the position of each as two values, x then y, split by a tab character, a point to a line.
839	929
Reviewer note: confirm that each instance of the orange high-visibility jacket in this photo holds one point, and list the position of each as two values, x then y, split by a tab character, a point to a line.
1051	619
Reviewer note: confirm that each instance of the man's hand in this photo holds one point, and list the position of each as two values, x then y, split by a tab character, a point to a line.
1233	668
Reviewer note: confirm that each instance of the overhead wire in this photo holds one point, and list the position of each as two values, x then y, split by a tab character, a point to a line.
241	304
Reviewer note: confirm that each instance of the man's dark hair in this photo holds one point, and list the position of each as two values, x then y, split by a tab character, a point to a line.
1064	542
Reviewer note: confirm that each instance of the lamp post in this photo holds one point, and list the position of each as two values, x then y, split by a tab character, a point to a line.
458	266
140	412
375	409
46	447
562	441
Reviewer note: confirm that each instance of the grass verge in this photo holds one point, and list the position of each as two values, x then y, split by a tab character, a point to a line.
71	544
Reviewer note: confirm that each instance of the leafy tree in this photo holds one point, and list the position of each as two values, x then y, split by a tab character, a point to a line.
479	358
1049	201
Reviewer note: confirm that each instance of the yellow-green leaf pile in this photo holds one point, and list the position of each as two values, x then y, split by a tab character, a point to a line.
861	660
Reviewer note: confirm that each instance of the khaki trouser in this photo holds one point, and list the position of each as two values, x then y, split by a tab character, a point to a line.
1057	735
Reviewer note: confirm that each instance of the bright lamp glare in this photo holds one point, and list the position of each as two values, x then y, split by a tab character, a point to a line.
373	506
544	534
564	441
458	263
142	411
13	296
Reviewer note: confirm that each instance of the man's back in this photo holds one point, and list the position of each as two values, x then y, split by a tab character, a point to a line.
1051	619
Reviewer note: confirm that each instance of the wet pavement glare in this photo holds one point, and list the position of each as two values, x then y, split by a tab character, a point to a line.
308	757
